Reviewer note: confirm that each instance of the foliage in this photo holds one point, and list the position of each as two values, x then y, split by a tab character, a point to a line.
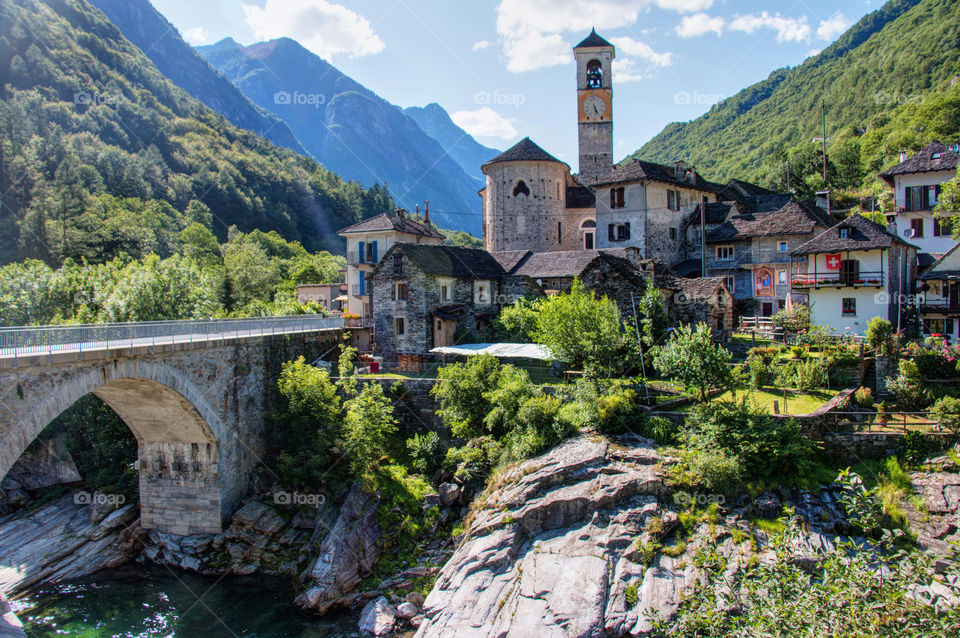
763	446
302	433
461	391
792	321
946	412
518	322
692	359
652	315
907	386
759	371
712	470
126	170
368	423
863	397
424	449
585	332
513	388
880	334
474	460
841	597
806	375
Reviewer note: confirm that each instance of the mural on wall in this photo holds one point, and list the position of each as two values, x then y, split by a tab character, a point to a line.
763	282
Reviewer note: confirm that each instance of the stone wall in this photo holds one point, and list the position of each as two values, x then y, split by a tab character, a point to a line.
521	221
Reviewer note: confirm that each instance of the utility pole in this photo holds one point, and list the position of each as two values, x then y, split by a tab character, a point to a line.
823	116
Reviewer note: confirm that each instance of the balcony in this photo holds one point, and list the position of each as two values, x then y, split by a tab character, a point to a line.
359	291
939	305
358	259
838	280
353	321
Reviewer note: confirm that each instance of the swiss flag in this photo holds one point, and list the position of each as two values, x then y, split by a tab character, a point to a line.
833	261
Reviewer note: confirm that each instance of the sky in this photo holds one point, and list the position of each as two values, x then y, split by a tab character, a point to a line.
504	69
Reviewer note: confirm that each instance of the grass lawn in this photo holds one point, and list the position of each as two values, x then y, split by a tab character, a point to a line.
797	403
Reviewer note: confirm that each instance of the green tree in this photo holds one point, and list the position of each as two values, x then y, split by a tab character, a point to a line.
652	315
518	321
692	359
462	390
368	425
879	334
200	245
585	331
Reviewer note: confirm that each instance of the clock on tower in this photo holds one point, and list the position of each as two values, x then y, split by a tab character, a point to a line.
594	57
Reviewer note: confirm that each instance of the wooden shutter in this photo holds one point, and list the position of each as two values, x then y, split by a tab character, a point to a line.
375	259
626	230
362	253
611	232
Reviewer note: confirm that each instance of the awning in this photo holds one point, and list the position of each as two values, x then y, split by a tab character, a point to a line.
342	298
499	350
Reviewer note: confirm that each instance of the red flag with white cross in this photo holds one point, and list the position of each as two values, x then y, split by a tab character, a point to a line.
833	261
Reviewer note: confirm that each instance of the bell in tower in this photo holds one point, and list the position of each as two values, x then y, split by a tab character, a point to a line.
594	57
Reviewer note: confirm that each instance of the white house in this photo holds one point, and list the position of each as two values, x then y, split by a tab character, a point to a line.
916	187
940	296
853	272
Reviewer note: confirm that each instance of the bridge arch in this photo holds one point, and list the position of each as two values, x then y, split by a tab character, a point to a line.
178	432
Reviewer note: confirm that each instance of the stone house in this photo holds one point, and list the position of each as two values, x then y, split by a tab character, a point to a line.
916	185
751	248
426	296
852	272
330	296
939	298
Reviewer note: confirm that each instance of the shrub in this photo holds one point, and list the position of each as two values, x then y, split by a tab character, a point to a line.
811	374
766	352
759	371
793	320
694	361
711	470
473	460
423	450
368	423
863	397
907	386
946	411
879	334
661	430
462	391
513	387
798	352
617	411
518	321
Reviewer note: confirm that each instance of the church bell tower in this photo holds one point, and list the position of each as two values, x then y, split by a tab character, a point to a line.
594	57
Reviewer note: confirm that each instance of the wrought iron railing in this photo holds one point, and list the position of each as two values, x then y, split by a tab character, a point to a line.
857	280
27	340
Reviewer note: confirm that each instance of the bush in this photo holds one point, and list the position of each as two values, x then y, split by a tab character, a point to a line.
617	411
759	371
798	352
880	334
423	450
692	359
863	397
805	376
908	386
711	470
946	411
462	391
661	430
793	320
473	460
518	321
768	353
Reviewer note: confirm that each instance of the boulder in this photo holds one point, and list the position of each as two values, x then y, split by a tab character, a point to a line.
415	598
407	610
247	516
449	493
377	617
49	464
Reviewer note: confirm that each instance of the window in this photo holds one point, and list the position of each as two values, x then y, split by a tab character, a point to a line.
844	232
400	291
942	227
400	327
782	247
397	265
849	306
918	197
618	232
781	276
594	74
673	234
439	325
933	326
936	155
362	279
849	271
725	253
730	284
949	329
521	188
617	197
481	292
559	233
673	199
917	226
446	289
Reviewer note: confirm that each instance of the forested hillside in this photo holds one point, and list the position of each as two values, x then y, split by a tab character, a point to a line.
892	73
101	155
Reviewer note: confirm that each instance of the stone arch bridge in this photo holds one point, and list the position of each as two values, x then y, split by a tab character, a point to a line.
193	393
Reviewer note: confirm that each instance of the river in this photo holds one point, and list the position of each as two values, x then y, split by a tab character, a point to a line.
136	602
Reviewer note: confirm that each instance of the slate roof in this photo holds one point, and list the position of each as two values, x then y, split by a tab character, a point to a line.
924	162
580	197
942	274
593	40
638	170
864	235
795	218
738	190
563	263
447	261
700	287
524	151
391	222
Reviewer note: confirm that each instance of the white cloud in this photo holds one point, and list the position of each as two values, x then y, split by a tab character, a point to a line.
625	70
636	49
813	52
788	29
685	6
196	36
325	28
481	45
534	50
699	24
485	122
833	26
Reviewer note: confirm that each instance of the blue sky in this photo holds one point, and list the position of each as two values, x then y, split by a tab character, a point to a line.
504	68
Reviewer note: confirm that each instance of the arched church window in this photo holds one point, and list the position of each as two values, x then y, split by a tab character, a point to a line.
521	189
588	223
594	74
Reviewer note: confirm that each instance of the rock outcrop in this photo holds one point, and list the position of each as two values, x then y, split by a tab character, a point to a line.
10	625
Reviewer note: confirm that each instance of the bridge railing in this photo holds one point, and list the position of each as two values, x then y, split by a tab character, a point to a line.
27	340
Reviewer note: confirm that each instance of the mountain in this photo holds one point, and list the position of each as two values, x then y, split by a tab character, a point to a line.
465	151
101	155
350	129
875	75
145	27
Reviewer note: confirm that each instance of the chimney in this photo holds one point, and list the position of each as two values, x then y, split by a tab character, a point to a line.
678	169
903	156
400	213
426	212
823	200
693	175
